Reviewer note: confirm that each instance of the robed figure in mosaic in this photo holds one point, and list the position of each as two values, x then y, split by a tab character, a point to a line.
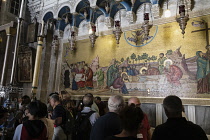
203	70
112	74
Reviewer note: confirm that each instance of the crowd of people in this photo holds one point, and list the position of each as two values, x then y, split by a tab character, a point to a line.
91	119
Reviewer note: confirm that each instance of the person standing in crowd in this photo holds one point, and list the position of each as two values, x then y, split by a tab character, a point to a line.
49	107
67	103
101	105
145	132
177	127
94	107
85	120
131	118
48	122
3	118
33	128
3	115
87	102
58	117
110	123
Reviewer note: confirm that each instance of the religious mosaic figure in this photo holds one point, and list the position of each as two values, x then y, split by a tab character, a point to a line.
136	72
202	73
112	74
130	71
66	79
173	73
119	84
161	62
100	77
74	83
152	70
88	77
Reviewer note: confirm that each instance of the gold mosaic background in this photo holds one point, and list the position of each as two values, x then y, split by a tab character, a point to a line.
168	37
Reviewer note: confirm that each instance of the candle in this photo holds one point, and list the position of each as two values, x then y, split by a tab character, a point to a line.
146	16
21	9
42	29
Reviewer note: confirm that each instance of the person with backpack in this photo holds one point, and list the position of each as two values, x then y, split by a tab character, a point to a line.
85	120
110	123
59	118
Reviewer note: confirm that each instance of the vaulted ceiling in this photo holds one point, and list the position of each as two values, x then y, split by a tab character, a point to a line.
83	8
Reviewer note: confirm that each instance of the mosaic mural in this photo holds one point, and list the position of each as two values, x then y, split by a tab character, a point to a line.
170	72
165	64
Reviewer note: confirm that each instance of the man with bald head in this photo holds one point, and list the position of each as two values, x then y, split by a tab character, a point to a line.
85	120
144	133
110	123
177	127
87	102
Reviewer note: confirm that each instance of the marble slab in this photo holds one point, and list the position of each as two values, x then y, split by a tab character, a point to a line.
202	115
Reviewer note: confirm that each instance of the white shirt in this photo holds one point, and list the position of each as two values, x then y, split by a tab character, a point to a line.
18	131
93	117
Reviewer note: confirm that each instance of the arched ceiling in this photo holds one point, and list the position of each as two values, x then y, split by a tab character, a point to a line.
93	13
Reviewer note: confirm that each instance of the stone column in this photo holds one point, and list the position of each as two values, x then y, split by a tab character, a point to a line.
17	41
59	67
3	77
53	64
37	66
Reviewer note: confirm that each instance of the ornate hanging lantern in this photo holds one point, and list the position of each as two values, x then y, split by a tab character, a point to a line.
92	35
146	24
72	41
184	17
72	30
117	31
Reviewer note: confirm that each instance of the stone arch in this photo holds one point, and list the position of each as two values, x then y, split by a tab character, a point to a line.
46	12
83	28
75	6
62	6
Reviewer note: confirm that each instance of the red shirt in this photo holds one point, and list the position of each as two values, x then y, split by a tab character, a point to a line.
25	135
145	127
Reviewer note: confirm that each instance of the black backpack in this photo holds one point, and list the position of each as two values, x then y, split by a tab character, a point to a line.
82	126
69	123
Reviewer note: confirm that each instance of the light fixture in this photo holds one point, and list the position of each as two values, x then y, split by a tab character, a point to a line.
117	30
92	29
146	24
72	41
167	12
92	35
184	17
55	44
72	33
